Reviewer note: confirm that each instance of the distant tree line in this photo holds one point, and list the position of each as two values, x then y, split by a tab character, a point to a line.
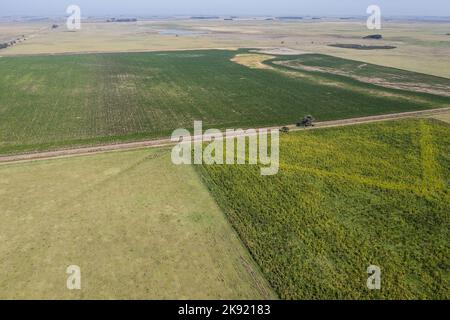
290	18
122	20
204	17
374	36
5	45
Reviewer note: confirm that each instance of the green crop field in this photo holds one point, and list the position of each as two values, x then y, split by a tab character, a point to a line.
366	69
49	102
370	73
344	199
138	227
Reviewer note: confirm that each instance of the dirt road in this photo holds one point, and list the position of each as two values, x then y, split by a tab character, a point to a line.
167	141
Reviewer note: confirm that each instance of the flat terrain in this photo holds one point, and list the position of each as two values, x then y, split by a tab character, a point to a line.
369	73
344	199
440	114
12	30
49	102
421	46
443	117
139	228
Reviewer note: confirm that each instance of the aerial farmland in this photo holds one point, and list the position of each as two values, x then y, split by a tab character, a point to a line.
94	206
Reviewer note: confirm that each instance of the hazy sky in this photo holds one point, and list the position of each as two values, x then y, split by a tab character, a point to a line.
238	7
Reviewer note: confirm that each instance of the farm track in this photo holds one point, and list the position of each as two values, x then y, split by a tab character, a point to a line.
164	142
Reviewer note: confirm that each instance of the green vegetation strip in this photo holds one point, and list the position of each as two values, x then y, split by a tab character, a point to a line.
344	199
369	73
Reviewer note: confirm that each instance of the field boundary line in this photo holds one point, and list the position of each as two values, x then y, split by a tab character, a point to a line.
165	142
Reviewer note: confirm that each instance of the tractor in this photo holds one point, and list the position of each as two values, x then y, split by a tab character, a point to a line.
307	121
285	130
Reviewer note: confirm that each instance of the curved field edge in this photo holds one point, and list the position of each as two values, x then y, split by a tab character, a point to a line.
334	71
52	102
366	73
344	199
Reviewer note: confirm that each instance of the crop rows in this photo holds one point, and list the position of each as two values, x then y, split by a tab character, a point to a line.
47	102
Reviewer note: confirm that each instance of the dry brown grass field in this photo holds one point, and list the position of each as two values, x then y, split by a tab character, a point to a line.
138	226
421	46
443	117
